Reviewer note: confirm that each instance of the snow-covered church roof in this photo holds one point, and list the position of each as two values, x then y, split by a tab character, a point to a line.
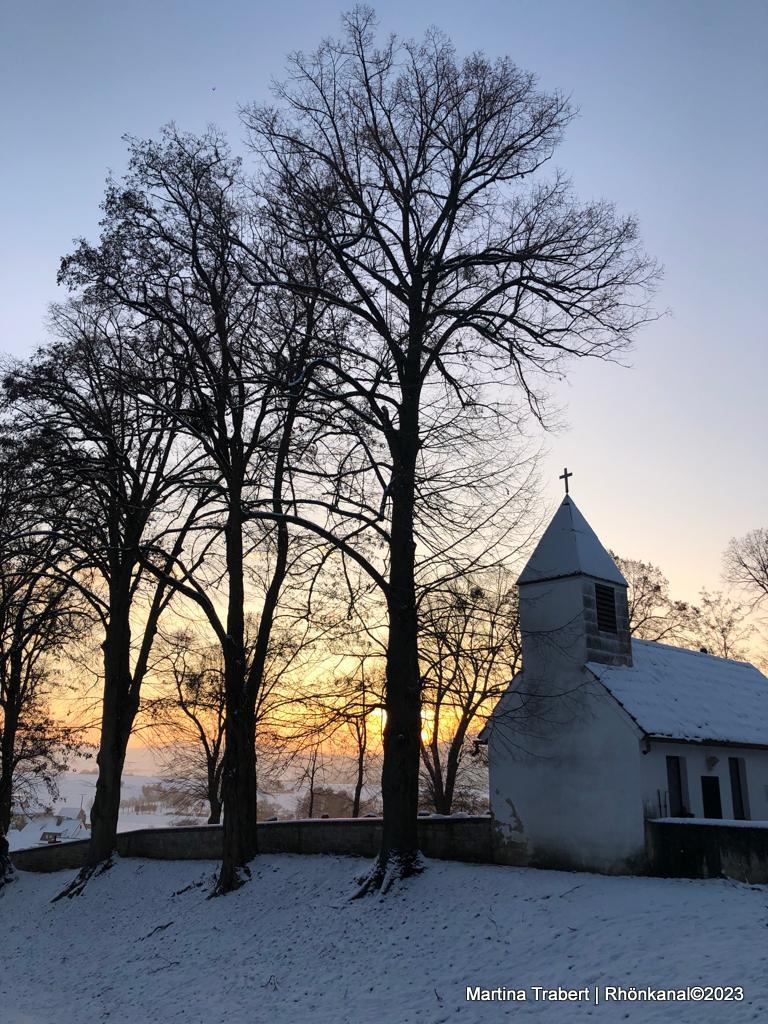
686	695
570	547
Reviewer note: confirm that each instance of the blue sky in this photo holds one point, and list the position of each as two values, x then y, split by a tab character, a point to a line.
668	456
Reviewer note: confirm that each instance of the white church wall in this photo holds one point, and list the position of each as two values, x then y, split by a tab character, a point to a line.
569	792
699	760
564	774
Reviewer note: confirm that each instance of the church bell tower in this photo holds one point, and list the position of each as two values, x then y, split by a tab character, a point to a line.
573	600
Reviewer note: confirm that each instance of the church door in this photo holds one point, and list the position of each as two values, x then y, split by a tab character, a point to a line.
710	792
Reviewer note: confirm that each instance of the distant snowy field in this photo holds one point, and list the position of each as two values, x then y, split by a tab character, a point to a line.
291	948
78	789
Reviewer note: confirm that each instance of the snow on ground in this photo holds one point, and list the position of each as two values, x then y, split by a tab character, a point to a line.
144	944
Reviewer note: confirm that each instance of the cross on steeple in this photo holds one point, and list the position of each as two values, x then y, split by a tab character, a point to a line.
564	476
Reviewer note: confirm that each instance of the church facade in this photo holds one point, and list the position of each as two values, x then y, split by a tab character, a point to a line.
600	732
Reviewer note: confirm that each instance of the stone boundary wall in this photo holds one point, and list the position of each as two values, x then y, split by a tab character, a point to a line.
465	839
683	850
674	849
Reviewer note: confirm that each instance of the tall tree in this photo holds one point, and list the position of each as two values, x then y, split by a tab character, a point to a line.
115	476
39	617
419	176
176	251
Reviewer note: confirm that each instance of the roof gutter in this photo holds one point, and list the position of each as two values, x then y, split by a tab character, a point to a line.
653	738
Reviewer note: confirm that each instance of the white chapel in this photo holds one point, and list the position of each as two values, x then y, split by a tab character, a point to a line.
600	732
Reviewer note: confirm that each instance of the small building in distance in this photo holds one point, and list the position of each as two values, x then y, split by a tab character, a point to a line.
600	732
67	824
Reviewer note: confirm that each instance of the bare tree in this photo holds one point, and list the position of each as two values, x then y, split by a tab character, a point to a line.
746	563
653	613
419	177
311	775
470	649
114	476
717	623
342	710
188	715
367	702
173	252
722	626
189	721
39	616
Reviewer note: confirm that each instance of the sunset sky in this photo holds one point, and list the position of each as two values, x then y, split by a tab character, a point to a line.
668	456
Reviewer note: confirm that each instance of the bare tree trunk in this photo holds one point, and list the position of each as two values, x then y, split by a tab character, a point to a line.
442	779
360	772
119	711
11	709
399	854
442	788
239	779
312	777
400	772
6	769
240	787
430	756
272	596
111	760
119	708
452	765
239	796
437	791
214	799
446	804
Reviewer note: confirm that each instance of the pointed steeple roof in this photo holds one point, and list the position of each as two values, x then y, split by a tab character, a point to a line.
569	547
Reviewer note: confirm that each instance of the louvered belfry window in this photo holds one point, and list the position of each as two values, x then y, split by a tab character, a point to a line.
606	609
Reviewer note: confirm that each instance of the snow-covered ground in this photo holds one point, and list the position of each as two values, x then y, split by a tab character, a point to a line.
144	944
78	789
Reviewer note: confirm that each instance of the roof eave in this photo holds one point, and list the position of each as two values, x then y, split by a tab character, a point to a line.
566	576
704	742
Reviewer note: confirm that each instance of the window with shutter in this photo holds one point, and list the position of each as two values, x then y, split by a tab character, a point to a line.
605	599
